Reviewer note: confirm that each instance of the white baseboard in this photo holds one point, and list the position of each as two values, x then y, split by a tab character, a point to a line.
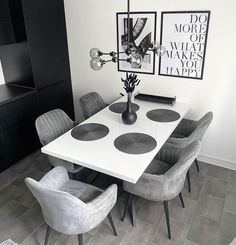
217	161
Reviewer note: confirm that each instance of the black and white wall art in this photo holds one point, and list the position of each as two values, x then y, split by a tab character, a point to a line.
184	35
142	34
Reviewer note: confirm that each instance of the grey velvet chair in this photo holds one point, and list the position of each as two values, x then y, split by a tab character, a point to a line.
188	131
72	207
164	178
91	103
50	126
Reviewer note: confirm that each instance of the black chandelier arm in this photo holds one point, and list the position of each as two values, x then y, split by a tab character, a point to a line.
114	60
121	52
107	61
127	60
112	53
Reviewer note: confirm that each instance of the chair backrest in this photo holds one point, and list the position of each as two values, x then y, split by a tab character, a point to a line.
91	103
51	125
175	176
201	127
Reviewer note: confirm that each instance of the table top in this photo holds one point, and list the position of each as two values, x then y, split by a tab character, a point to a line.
101	155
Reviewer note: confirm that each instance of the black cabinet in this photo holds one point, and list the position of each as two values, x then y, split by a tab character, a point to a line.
17	130
34	56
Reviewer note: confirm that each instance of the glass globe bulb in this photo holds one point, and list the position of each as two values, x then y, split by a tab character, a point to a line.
96	64
136	60
160	51
95	53
155	45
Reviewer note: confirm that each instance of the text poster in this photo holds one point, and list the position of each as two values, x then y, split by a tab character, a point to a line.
184	35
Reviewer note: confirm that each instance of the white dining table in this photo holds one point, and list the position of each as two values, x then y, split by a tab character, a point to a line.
101	155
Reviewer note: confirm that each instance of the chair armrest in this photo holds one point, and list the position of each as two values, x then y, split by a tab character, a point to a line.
100	207
149	186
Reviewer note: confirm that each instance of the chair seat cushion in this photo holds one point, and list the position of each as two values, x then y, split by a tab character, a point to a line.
82	191
157	167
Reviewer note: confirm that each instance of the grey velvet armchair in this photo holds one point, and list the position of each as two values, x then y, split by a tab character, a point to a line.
50	126
164	178
91	103
189	131
69	206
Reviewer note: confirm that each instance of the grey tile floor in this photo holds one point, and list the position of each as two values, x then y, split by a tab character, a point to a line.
209	216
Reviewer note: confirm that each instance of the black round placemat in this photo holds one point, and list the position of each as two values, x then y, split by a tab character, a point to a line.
89	131
121	106
135	143
163	115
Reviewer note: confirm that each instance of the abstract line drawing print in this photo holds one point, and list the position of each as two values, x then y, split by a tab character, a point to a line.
141	34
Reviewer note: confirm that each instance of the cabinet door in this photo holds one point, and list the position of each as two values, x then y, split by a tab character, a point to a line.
3	159
16	111
47	38
20	140
17	130
56	96
6	28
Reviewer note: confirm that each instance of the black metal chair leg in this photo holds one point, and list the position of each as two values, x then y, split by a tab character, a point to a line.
80	239
71	176
132	211
47	235
196	163
167	218
126	207
181	199
74	176
94	179
112	224
189	182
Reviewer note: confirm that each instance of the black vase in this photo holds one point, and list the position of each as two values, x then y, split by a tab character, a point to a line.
129	116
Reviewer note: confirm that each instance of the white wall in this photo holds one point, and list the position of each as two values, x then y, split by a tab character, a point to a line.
92	23
2	80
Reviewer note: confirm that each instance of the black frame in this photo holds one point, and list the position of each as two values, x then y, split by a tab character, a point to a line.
154	38
204	52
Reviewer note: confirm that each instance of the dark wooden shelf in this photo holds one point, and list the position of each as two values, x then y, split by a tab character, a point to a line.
9	93
23	84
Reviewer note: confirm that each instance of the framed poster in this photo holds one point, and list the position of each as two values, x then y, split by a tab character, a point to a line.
142	34
184	35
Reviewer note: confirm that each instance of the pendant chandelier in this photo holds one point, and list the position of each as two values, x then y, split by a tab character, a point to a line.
134	54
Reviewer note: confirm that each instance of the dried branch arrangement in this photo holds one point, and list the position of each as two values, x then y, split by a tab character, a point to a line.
130	82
